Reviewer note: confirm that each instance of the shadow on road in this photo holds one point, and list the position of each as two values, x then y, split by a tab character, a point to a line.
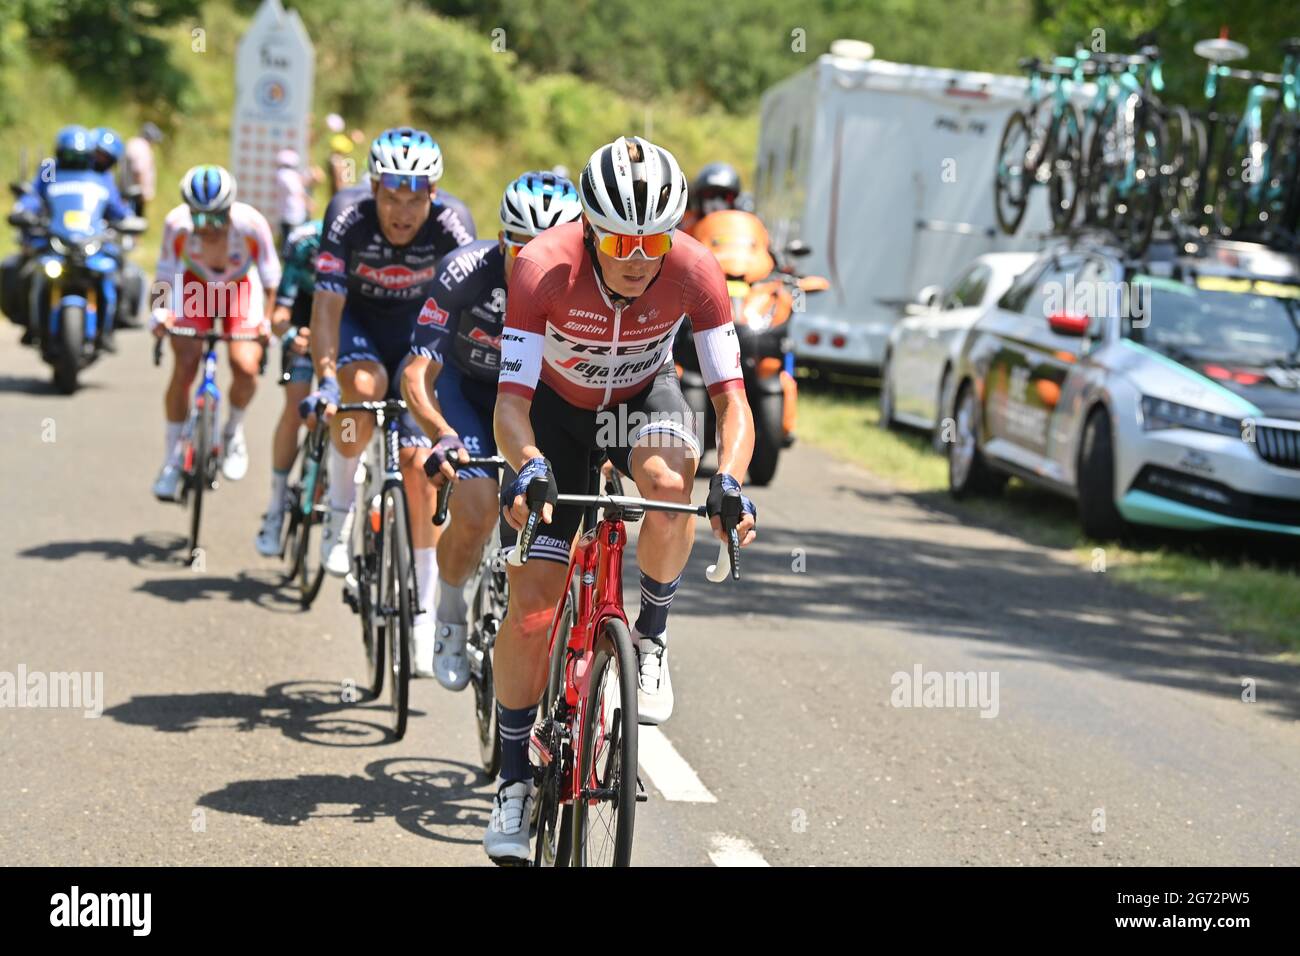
263	588
442	800
312	712
1023	601
144	550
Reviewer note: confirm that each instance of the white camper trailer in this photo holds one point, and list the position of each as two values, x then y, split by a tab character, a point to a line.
885	171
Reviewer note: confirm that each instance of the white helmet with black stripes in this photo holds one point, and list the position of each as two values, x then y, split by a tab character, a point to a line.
633	187
538	200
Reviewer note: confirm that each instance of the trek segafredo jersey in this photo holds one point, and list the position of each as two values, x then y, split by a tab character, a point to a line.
561	328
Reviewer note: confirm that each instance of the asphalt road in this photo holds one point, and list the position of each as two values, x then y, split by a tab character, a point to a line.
1113	729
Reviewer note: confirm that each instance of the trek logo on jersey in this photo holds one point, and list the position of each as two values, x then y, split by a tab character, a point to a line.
394	277
601	363
606	348
430	314
328	264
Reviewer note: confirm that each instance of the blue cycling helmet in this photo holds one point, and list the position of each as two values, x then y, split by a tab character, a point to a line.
405	152
208	189
108	147
538	200
72	147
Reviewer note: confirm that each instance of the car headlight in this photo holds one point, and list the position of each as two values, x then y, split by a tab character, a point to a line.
1157	413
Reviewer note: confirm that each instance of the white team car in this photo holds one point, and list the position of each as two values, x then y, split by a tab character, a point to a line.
915	378
1162	392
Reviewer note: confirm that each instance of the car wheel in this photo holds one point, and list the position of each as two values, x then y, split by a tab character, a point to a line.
941	413
1097	512
968	473
886	396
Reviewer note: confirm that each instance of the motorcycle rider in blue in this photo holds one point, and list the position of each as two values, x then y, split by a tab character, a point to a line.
74	189
456	354
374	280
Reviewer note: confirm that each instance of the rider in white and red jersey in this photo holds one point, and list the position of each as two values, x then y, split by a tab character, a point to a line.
595	350
217	260
587	372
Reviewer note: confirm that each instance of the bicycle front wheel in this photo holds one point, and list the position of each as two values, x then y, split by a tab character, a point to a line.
310	576
397	589
1011	182
604	814
200	472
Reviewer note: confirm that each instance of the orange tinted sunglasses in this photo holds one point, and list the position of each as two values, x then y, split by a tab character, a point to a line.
623	247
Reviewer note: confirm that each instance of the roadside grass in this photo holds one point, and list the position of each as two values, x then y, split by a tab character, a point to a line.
1248	585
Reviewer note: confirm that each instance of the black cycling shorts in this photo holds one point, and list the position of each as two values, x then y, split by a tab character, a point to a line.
577	440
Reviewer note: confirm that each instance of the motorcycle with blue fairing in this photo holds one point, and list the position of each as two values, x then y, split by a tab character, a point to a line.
73	275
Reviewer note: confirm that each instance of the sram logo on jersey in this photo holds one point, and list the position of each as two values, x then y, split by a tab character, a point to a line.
394	276
327	264
430	314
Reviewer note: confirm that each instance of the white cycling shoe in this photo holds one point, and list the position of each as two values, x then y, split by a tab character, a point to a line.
335	538
168	483
506	840
451	665
423	638
268	539
654	694
235	463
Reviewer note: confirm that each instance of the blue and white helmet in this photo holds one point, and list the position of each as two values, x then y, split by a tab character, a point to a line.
633	187
538	200
405	152
72	147
208	189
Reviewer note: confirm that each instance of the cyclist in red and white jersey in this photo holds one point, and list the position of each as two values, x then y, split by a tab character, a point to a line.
587	371
217	260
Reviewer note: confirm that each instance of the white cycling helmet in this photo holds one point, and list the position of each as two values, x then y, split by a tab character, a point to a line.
405	152
208	188
538	200
633	187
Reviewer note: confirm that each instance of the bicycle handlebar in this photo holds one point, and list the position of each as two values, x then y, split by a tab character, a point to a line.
209	336
728	562
444	493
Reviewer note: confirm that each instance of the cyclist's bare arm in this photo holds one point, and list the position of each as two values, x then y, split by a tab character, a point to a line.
326	314
517	444
418	378
735	447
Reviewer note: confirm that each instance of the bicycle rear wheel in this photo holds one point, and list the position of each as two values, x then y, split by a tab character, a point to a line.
397	588
604	816
1066	169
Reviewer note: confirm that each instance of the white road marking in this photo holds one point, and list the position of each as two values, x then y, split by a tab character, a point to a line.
667	770
733	851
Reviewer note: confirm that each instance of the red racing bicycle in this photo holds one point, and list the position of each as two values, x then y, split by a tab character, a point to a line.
584	748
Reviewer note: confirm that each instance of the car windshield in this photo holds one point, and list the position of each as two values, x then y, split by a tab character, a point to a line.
1251	321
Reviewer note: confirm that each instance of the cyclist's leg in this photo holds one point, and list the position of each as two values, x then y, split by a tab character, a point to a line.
176	402
662	458
362	378
244	316
284	448
420	503
467	406
520	657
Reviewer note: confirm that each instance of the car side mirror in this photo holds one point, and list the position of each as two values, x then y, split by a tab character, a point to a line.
1069	323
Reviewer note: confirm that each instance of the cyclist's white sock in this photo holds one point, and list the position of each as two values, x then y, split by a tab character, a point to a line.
279	488
426	577
172	443
343	471
236	420
451	602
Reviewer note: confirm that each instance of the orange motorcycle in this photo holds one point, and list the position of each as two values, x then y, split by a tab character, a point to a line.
762	301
